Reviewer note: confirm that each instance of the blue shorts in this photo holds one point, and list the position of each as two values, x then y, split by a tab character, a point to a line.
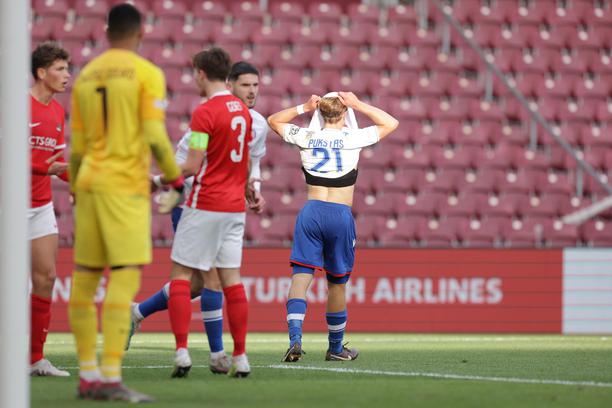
176	217
324	238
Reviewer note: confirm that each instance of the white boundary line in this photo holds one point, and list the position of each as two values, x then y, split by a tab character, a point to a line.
444	376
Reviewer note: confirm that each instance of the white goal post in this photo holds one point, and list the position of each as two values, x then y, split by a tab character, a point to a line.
14	203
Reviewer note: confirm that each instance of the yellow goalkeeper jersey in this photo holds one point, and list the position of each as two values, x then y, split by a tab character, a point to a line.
118	104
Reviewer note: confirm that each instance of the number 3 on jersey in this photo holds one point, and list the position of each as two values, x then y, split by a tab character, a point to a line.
239	121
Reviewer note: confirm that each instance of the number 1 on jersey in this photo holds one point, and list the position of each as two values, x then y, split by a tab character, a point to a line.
102	91
236	156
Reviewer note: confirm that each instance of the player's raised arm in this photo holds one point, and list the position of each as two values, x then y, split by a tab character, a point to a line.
279	120
383	121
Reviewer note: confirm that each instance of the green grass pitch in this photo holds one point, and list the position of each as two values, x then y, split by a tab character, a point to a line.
393	370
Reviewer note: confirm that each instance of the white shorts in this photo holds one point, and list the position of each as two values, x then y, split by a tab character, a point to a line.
41	221
206	239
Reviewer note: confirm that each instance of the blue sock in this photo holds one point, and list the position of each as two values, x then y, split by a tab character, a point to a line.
296	310
155	303
212	314
336	323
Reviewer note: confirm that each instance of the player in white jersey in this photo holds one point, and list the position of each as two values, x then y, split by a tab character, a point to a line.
243	82
324	237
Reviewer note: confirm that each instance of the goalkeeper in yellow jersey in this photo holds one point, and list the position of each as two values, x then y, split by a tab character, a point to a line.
118	121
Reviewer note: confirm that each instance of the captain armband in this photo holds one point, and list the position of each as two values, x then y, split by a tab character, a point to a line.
198	141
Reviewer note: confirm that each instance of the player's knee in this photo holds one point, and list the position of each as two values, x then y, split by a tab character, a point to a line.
43	278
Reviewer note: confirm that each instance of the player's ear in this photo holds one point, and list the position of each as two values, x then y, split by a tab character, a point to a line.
41	73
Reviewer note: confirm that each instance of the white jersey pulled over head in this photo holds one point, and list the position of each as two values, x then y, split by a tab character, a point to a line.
330	153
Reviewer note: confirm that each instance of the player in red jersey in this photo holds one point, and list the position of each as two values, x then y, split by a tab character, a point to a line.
212	224
51	75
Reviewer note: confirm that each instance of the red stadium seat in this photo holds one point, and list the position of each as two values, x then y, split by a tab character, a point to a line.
57	8
486	180
438	233
541	206
465	205
283	178
560	235
442	180
92	8
169	9
375	204
524	233
506	204
401	232
363	13
290	12
208	10
276	35
427	203
367	228
231	34
597	233
475	233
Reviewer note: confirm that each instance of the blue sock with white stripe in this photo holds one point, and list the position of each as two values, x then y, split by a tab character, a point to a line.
296	310
336	323
156	303
211	302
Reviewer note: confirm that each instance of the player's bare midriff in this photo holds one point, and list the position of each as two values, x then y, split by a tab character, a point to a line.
339	195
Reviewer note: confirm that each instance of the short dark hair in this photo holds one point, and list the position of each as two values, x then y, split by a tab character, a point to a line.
215	62
46	54
124	20
241	68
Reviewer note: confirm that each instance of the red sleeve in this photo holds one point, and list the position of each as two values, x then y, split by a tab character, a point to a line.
201	121
40	169
64	175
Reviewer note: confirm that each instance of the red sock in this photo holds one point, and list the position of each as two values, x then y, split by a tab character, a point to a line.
40	319
179	309
237	315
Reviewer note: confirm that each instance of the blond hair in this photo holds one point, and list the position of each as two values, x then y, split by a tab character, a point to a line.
332	109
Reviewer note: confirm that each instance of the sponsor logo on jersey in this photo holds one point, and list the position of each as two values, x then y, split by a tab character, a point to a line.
43	142
33	125
160	104
58	128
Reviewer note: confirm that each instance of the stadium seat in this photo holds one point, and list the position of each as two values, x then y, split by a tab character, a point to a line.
597	233
92	8
485	180
465	204
399	233
425	204
208	10
375	204
438	233
56	8
288	11
476	233
169	9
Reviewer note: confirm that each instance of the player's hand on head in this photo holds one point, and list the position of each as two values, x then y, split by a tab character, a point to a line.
312	103
349	99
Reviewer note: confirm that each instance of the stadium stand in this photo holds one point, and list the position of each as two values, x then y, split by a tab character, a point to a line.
466	168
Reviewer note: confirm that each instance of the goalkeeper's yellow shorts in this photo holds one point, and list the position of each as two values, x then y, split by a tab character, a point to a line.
112	229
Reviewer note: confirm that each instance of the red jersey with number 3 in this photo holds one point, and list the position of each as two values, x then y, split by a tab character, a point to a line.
46	140
220	182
